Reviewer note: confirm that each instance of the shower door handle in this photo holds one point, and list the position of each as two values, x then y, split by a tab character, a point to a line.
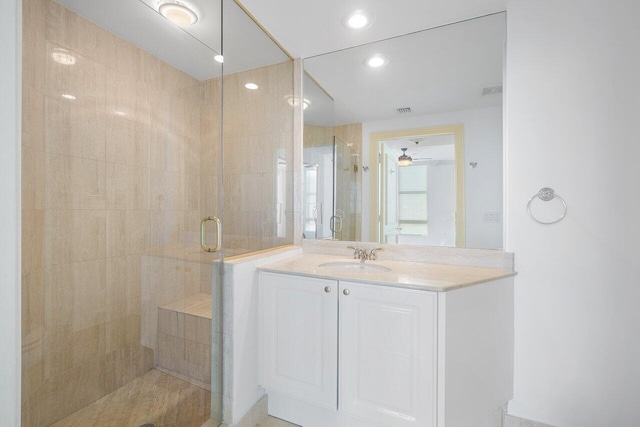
203	234
332	223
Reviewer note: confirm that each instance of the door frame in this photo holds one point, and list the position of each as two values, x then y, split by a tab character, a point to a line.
376	138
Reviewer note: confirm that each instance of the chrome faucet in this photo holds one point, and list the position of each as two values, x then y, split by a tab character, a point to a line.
363	255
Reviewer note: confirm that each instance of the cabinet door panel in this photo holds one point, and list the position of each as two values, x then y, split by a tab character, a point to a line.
388	354
299	329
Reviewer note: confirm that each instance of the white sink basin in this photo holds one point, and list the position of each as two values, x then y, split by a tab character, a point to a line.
355	266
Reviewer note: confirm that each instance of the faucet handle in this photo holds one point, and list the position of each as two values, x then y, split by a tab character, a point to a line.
356	251
373	255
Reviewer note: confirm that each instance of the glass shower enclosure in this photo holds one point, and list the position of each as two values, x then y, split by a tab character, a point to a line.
147	159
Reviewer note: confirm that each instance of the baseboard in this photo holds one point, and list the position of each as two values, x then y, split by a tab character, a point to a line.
307	414
511	421
255	416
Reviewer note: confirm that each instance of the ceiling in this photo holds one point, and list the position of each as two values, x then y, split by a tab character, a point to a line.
438	70
191	49
434	71
307	27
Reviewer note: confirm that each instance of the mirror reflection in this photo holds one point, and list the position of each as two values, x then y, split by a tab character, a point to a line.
403	138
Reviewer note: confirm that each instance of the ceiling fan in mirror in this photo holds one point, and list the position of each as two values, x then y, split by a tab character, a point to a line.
406	160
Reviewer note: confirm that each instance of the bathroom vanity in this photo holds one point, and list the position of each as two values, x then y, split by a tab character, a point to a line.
384	343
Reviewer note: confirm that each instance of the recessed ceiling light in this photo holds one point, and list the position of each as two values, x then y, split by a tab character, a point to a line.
251	86
62	56
219	58
294	102
67	96
377	61
120	113
178	13
358	19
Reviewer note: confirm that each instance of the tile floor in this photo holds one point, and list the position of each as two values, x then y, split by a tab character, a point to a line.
276	422
155	397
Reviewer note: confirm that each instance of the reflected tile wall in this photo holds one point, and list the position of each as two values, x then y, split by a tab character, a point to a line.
113	193
258	159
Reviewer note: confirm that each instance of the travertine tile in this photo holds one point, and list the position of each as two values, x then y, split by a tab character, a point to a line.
127	187
85	80
75	295
167	152
167	190
74	183
33	305
69	30
74	130
33	116
75	235
154	397
33	240
194	305
276	422
127	141
126	95
33	184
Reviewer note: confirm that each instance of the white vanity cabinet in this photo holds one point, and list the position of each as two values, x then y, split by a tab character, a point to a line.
388	354
336	353
299	337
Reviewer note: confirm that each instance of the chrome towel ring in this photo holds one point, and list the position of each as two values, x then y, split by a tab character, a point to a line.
546	194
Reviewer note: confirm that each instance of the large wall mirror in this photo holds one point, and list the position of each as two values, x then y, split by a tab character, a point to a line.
403	139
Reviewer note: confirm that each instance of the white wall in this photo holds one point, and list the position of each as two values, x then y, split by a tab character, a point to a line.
483	185
442	205
10	105
573	105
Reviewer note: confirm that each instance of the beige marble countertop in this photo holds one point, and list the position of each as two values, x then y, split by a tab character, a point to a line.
413	275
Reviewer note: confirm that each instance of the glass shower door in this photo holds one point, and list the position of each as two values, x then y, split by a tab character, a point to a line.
345	168
122	161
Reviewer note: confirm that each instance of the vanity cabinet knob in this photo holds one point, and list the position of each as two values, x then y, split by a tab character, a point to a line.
346	292
327	289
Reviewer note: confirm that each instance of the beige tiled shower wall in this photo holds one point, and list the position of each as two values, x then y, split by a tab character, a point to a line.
111	206
258	159
352	193
318	136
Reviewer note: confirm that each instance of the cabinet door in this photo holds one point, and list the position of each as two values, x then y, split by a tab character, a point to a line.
388	354
299	337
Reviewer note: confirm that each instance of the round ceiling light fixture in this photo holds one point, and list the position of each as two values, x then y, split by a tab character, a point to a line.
358	19
251	86
404	159
377	61
294	101
219	58
178	13
62	56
